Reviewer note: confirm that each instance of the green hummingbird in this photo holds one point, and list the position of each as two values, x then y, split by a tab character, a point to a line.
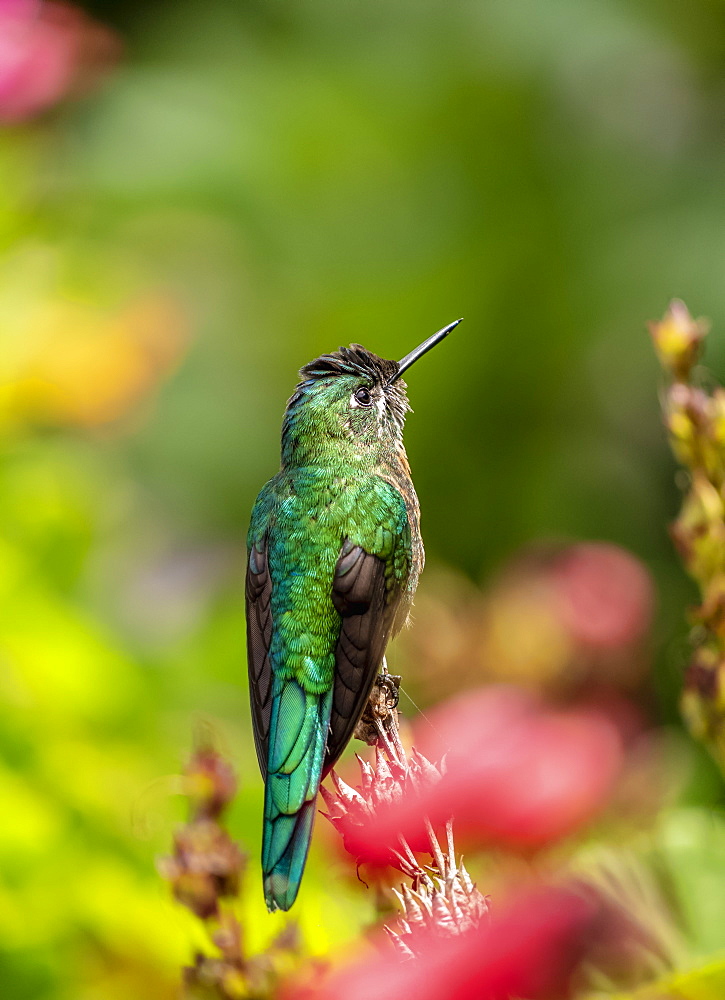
334	556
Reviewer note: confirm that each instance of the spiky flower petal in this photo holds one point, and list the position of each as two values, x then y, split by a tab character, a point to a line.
442	899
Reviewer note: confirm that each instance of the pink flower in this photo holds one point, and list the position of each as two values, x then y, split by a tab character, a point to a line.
48	50
516	774
530	949
559	618
605	594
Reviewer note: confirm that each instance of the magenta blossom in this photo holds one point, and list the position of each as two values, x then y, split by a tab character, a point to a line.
530	949
605	595
515	774
48	51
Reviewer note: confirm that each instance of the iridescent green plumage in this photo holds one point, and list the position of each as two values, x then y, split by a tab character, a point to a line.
334	559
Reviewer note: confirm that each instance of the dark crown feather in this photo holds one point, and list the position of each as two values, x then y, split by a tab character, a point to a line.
352	360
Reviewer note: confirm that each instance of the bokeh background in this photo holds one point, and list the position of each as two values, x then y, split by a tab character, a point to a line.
195	200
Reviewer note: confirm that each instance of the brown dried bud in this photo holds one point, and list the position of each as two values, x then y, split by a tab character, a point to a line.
206	866
210	784
703	699
702	675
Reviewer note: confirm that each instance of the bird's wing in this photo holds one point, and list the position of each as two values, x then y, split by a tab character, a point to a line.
259	637
336	592
367	589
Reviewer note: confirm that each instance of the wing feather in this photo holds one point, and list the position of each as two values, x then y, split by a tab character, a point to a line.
367	612
259	637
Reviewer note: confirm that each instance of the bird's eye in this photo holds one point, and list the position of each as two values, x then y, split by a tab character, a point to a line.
362	395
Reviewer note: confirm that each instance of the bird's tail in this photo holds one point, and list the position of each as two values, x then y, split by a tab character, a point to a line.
297	736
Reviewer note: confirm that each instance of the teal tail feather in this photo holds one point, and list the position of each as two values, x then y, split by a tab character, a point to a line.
282	880
297	738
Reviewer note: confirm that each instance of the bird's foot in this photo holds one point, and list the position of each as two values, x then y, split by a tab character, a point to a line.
381	711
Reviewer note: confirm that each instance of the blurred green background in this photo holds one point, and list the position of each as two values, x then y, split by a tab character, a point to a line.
256	183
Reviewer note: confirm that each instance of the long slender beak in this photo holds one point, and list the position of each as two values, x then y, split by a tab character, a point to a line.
411	358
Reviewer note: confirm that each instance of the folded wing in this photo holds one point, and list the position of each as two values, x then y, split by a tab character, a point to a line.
259	638
367	606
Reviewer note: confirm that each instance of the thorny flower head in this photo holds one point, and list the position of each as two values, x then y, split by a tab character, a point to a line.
395	779
444	905
442	899
512	773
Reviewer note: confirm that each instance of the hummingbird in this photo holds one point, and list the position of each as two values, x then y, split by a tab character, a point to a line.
334	556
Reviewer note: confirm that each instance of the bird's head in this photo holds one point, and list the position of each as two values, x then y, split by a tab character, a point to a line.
351	403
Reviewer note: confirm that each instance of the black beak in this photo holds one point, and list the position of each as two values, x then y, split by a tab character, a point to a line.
411	358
